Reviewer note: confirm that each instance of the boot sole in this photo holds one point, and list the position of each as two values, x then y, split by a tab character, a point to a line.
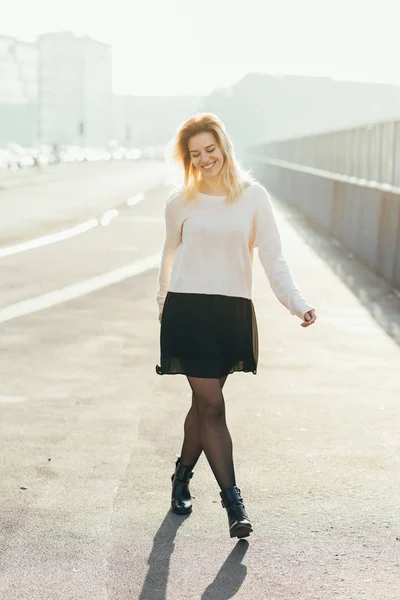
181	511
241	530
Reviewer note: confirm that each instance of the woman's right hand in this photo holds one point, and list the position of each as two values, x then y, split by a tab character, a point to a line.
309	318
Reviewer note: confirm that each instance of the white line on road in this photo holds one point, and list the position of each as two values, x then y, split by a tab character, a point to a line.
135	199
108	216
49	239
77	290
44	240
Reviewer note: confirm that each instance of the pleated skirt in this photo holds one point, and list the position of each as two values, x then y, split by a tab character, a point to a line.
207	335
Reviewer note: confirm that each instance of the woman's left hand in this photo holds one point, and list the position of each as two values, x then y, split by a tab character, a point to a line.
309	318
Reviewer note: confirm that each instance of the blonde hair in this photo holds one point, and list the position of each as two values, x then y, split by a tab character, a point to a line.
232	176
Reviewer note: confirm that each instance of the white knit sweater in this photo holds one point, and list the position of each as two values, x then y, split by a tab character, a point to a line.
209	248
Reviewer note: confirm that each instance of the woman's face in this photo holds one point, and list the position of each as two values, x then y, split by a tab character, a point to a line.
206	154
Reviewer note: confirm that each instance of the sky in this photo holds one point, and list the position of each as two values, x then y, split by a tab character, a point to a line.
168	47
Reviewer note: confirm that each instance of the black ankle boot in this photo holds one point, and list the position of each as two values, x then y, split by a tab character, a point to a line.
239	523
181	500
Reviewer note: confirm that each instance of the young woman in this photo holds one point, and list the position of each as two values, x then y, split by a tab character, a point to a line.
208	324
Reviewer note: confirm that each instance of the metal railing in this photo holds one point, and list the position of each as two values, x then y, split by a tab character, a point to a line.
348	183
370	153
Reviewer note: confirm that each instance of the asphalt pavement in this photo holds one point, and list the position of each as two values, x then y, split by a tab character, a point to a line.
89	432
45	200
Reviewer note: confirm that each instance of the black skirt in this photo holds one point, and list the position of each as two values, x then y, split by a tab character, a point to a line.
207	335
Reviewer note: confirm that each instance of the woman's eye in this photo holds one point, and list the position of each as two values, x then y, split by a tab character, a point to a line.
197	155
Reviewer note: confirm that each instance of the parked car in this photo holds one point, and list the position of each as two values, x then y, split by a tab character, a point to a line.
133	153
8	160
39	155
71	154
21	154
91	153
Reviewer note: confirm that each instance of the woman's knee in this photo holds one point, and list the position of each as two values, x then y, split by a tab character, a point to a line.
208	397
210	408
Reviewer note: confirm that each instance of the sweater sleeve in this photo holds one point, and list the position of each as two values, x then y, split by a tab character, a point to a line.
173	239
268	241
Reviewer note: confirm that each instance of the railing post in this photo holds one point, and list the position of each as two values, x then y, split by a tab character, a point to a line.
393	157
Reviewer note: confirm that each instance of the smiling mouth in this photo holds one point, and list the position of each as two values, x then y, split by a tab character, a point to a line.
208	167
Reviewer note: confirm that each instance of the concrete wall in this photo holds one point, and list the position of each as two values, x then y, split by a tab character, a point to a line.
365	220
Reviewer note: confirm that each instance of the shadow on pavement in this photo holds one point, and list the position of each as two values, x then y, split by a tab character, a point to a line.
155	584
230	576
225	585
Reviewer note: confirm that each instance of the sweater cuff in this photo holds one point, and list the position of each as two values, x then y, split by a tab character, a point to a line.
301	308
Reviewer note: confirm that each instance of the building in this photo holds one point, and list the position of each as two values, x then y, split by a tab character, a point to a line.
143	121
75	90
261	108
18	91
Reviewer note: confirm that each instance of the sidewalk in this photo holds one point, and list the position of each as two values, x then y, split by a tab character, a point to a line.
316	449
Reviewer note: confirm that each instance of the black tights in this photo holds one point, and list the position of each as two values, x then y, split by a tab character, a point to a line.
205	429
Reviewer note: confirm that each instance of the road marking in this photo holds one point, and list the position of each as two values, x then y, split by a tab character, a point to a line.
44	240
135	199
12	399
108	216
76	290
49	239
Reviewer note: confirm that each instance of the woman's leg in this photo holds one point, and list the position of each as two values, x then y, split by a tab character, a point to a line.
191	447
214	437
